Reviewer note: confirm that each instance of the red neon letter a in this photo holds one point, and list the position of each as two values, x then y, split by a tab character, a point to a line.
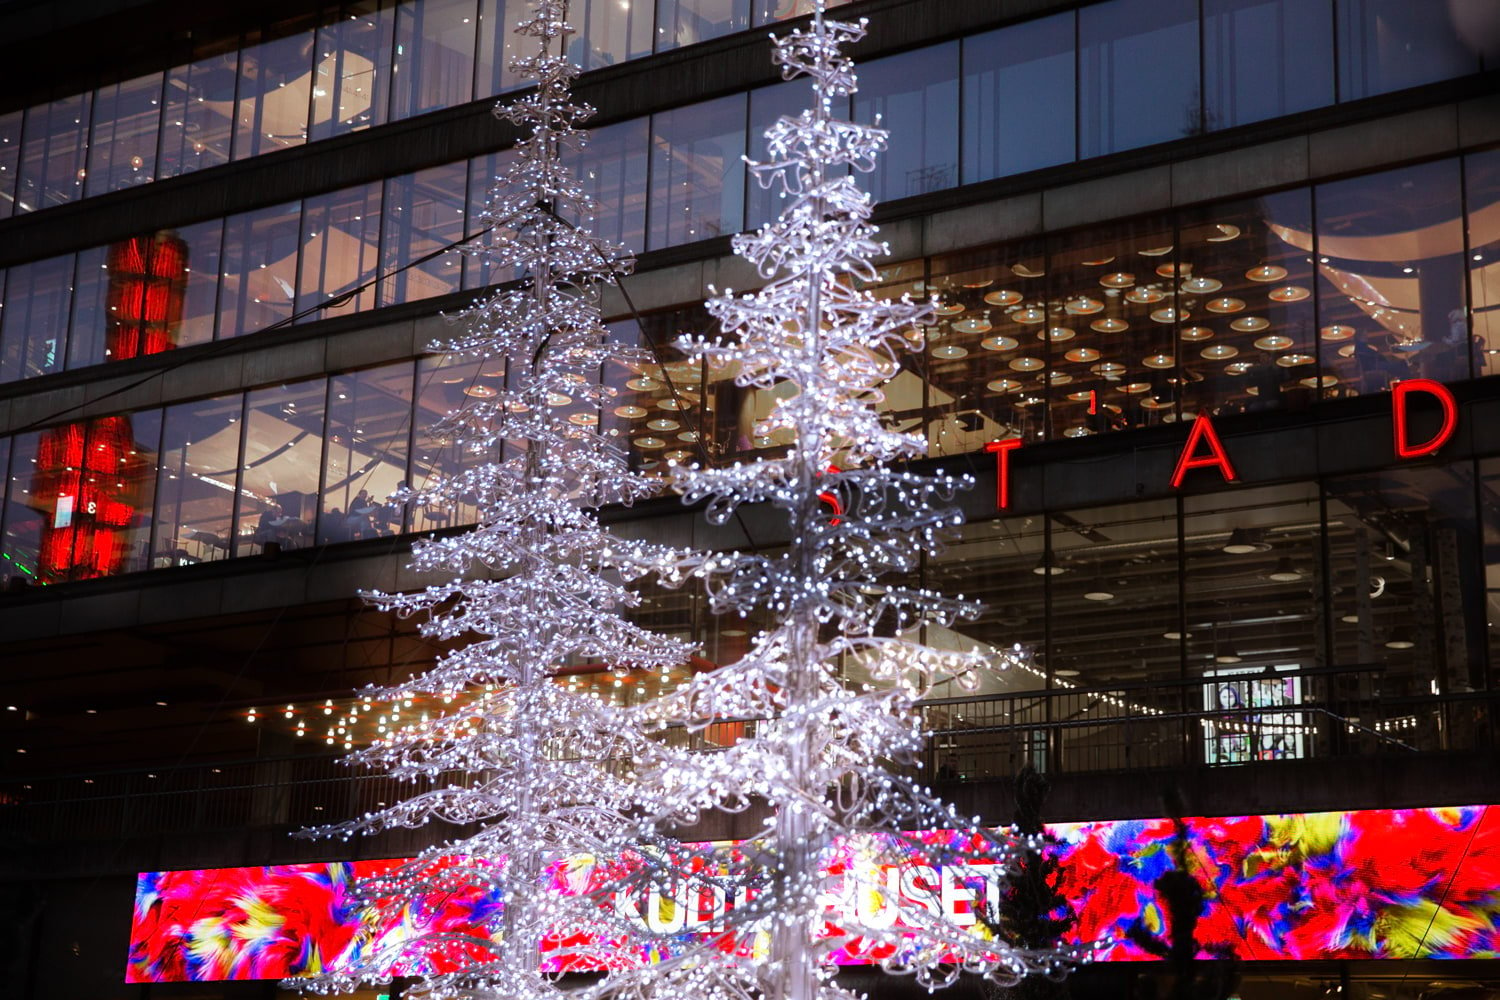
1002	450
1405	449
1203	430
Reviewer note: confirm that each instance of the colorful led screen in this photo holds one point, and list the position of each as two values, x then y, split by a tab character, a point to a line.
1379	883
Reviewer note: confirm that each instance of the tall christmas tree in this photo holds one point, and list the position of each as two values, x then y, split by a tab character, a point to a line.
527	772
829	760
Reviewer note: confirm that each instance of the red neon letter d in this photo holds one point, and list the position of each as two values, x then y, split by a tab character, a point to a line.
1404	448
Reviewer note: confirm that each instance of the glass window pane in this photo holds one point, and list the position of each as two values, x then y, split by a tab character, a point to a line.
10	160
478	272
612	168
771	11
683	22
1391	266
499	44
1404	550
1254	571
423	213
1138	74
340	250
1018	98
767	104
198	118
656	409
609	32
1387	45
54	157
275	88
1246	331
1108	337
200	300
443	386
1128	552
1482	184
33	333
195	486
1265	58
27	512
129	299
915	96
979	373
260	269
284	432
434	56
7	569
369	426
92	483
351	88
697	174
127	121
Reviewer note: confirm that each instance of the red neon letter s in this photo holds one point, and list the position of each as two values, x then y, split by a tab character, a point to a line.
1203	430
1405	449
1002	450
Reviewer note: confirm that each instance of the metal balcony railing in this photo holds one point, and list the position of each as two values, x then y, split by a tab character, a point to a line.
1232	720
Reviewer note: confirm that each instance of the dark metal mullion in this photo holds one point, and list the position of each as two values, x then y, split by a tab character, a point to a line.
239	472
318	527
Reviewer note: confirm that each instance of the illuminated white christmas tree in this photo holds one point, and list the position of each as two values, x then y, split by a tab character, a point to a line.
525	773
835	677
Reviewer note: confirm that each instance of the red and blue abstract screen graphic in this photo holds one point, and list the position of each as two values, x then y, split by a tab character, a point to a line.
1368	884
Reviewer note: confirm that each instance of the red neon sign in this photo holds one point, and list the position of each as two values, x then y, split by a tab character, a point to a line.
1217	458
1002	450
1400	395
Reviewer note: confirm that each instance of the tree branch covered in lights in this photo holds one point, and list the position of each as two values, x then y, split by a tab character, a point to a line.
837	676
525	773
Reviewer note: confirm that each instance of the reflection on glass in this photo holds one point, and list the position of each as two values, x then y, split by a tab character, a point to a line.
434	55
10	160
93	483
656	401
982	368
25	515
683	22
352	79
275	91
34	323
127	119
424	212
200	303
1391	270
1265	58
340	251
259	268
1109	332
1387	45
1018	111
767	104
771	11
128	299
1254	575
195	486
609	32
1482	188
479	272
1246	333
283	454
198	114
499	44
369	427
1406	594
915	96
54	155
443	386
697	175
1137	74
612	168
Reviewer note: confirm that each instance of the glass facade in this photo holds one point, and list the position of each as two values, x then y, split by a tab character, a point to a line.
1090	83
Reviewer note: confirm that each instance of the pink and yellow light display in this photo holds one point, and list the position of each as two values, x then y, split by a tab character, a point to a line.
1385	884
